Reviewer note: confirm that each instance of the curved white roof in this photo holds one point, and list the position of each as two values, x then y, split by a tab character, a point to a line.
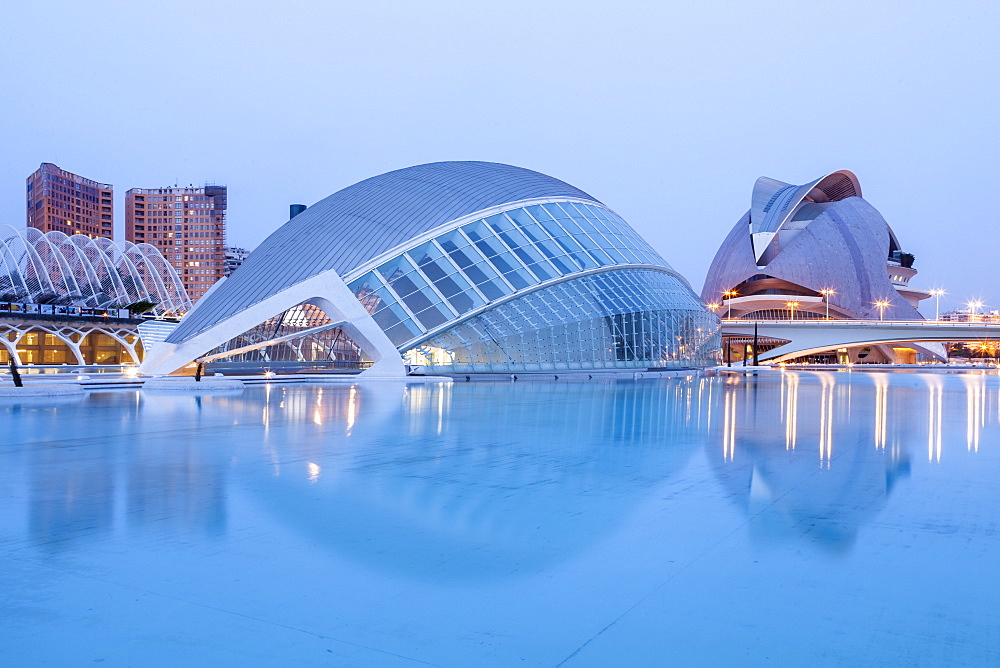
367	219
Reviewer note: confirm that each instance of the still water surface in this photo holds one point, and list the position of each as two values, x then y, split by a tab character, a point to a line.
786	518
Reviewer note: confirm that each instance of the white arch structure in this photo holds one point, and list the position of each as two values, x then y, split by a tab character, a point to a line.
52	267
327	291
72	335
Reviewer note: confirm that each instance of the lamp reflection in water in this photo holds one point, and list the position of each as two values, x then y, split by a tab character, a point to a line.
729	425
975	403
935	414
881	408
460	481
790	408
773	474
826	420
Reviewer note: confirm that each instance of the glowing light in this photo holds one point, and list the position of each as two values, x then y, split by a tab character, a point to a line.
728	295
882	305
826	421
826	292
314	471
790	408
935	411
352	409
881	410
791	308
974	306
131	372
729	428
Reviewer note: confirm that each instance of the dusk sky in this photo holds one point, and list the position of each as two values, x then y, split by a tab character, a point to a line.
666	112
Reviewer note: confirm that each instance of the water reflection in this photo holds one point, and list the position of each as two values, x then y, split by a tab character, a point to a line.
814	456
484	479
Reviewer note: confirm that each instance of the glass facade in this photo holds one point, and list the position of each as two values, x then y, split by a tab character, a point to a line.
626	319
622	318
328	345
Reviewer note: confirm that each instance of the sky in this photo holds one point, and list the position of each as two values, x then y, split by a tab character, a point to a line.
665	111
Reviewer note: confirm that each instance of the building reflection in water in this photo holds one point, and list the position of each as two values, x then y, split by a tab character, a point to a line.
401	475
859	425
463	481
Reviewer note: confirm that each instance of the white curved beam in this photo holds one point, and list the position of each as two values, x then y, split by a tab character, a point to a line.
326	290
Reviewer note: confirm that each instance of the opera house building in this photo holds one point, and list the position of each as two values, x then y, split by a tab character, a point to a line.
817	250
451	267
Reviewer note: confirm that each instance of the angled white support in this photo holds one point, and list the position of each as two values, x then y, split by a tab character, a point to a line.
326	290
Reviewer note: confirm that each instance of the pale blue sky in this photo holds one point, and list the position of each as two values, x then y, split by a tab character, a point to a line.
667	112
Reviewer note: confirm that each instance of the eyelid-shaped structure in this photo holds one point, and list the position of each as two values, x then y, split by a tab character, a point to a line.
53	268
461	267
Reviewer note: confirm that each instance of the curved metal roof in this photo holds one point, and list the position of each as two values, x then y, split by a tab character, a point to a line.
364	220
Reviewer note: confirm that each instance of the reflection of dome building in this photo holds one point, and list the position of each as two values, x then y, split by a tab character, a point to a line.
456	267
434	508
812	250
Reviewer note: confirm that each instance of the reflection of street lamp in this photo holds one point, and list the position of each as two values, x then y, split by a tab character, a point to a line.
881	306
791	307
826	292
973	305
728	295
937	292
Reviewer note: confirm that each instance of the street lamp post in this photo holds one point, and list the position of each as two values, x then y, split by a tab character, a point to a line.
881	306
826	292
937	292
791	307
728	296
974	306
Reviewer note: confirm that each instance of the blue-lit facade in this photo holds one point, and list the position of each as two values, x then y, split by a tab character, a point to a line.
470	267
556	285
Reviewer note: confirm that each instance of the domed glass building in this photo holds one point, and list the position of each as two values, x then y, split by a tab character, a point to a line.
452	267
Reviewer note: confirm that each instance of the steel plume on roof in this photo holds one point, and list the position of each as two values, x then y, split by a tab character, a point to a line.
53	268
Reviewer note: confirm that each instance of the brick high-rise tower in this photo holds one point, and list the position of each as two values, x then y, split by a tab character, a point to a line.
187	225
63	201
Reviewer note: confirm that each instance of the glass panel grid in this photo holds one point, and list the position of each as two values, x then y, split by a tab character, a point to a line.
490	258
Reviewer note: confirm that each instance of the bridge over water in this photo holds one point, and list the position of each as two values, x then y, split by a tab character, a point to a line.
807	337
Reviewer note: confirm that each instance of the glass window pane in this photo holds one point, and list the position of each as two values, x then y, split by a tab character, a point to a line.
542	270
499	223
402	332
519	279
424	253
538	213
555	211
433	316
452	241
395	267
520	217
493	289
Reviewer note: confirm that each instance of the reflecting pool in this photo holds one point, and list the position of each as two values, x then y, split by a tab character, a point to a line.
788	518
